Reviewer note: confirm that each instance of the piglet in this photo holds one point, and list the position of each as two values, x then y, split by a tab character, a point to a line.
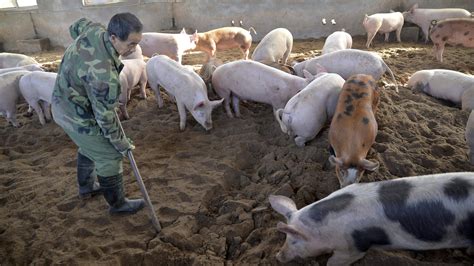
251	80
458	31
8	60
133	73
185	86
306	113
416	213
37	89
354	128
424	16
274	49
383	23
445	84
224	38
171	45
338	40
9	94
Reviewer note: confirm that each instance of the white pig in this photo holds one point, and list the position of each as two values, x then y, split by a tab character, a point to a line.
8	60
306	113
469	134
133	73
336	41
383	23
185	86
346	63
250	80
9	94
423	16
445	84
32	67
414	213
275	47
171	45
454	31
37	89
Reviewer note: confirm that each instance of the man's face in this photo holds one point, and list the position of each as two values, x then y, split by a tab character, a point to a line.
128	46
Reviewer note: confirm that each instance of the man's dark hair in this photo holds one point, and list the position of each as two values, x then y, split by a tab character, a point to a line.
122	24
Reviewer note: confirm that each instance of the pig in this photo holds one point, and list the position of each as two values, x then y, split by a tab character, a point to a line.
469	134
306	113
37	89
171	45
185	86
415	213
137	54
9	94
347	63
423	16
445	84
251	80
338	40
32	67
8	60
353	129
133	73
452	31
224	38
275	47
207	69
383	23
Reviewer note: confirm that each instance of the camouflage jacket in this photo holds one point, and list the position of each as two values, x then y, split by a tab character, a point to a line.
87	88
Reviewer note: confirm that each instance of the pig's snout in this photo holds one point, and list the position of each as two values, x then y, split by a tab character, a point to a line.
208	125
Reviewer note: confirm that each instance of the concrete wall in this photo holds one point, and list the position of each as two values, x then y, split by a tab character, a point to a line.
302	17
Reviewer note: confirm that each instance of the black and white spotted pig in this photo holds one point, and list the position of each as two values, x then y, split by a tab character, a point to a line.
417	213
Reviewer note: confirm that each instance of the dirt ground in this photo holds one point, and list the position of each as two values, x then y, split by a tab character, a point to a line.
210	189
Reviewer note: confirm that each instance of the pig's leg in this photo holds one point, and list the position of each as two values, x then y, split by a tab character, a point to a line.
424	29
182	115
398	32
29	113
438	51
143	80
245	51
387	34
39	111
46	110
123	110
344	257
235	105
370	37
156	89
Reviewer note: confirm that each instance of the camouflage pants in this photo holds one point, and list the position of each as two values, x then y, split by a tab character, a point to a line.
108	161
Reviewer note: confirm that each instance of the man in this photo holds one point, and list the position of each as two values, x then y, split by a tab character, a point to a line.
84	100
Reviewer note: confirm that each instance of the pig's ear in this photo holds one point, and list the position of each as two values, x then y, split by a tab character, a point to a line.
290	230
283	205
415	6
320	69
216	103
335	161
369	165
183	31
199	105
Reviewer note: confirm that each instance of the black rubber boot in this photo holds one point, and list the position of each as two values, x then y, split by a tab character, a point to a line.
112	187
88	186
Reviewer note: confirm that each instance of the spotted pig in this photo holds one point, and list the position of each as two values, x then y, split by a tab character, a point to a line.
456	31
353	129
415	213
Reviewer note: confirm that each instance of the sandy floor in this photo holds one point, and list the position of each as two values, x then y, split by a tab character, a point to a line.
210	189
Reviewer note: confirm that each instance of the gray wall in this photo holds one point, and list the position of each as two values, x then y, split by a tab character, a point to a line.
302	17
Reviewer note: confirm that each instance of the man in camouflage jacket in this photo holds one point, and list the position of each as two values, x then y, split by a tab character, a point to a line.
85	97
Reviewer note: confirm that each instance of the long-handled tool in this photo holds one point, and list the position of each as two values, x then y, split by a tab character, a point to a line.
154	219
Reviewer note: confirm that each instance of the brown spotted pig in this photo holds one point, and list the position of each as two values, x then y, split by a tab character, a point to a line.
455	31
